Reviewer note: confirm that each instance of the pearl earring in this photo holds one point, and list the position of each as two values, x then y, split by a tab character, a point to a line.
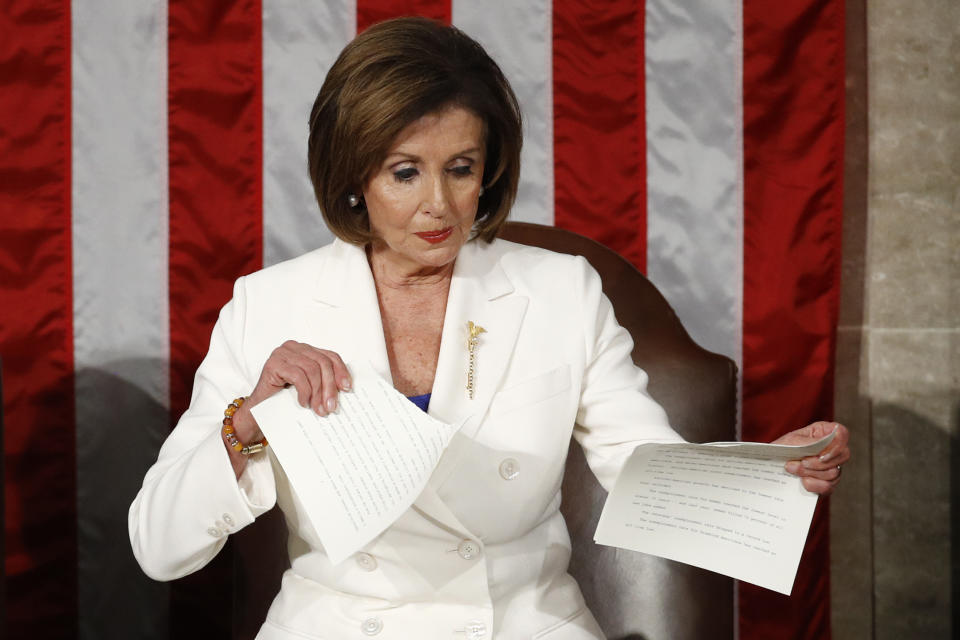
353	200
481	191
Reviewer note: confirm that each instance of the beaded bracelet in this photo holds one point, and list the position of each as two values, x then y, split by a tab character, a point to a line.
231	436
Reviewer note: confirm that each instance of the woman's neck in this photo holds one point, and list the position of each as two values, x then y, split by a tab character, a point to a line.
413	302
396	273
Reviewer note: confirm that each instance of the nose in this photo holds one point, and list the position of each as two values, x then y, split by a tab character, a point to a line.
436	198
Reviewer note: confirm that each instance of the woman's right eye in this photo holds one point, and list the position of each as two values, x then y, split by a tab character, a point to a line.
405	175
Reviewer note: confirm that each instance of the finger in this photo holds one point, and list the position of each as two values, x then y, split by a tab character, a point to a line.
817	430
820	487
340	371
335	376
316	365
329	390
283	372
831	474
324	398
325	370
827	462
315	373
280	370
805	435
838	446
831	456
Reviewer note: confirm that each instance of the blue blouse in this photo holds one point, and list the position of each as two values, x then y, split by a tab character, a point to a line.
421	401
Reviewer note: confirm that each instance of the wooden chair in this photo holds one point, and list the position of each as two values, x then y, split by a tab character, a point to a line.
631	594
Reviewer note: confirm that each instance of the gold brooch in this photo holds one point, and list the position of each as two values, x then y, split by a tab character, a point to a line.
473	339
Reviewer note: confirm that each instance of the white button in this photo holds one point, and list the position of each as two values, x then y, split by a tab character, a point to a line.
475	630
366	561
509	469
468	549
216	533
220	525
371	626
228	519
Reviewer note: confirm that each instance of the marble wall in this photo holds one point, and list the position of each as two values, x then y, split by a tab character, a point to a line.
895	524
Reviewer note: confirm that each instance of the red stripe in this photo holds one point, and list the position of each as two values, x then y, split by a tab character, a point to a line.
793	89
36	330
215	154
370	12
215	142
598	124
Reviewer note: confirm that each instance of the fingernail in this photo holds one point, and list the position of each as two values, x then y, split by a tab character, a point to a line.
793	466
826	456
332	404
345	385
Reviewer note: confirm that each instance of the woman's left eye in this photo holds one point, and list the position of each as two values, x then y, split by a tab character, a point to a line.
462	170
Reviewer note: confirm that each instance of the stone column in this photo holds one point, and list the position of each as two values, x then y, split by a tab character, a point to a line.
896	521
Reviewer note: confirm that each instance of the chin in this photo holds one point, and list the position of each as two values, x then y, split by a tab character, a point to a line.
438	257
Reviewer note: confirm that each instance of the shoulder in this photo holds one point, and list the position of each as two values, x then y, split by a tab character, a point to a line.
299	270
308	275
522	257
540	270
284	287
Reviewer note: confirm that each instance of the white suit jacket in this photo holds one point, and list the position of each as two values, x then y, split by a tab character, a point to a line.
483	552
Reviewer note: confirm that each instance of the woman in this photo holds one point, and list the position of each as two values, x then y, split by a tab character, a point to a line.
414	156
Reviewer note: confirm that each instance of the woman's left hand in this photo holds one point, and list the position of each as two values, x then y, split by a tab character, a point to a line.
819	473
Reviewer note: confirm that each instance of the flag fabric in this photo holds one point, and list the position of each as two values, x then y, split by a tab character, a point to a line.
152	151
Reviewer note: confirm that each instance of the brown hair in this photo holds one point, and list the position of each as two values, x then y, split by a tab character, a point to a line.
389	76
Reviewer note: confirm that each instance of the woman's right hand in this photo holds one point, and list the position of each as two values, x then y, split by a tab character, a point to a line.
317	374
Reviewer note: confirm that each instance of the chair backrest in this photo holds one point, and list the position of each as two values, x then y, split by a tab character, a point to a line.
633	594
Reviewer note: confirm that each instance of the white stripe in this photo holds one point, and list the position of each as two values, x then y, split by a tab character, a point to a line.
121	343
694	166
518	35
301	39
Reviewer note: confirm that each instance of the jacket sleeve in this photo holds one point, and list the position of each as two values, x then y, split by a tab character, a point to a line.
616	413
191	500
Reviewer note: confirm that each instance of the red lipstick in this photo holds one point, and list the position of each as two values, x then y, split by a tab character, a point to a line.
433	237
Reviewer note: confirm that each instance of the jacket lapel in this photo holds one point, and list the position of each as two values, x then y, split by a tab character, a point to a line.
482	293
345	289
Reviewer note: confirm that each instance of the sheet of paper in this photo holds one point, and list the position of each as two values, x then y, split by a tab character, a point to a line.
729	507
357	470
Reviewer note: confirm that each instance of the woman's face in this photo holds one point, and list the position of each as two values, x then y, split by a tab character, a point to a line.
422	200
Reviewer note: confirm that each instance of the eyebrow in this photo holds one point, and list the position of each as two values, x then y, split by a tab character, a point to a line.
414	157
